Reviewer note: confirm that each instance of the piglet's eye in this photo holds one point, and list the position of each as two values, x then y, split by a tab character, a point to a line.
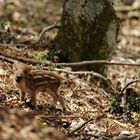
18	78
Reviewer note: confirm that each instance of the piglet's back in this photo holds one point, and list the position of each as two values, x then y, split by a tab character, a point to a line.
42	79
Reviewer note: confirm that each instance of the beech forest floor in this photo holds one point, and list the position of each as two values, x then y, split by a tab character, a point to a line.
92	112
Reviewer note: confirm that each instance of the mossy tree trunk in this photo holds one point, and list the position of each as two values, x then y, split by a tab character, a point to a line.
88	31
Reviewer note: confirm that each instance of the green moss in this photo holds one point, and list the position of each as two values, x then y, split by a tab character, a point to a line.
40	55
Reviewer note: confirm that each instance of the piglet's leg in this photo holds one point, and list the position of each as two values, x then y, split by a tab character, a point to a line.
62	102
56	97
33	98
22	96
60	99
53	96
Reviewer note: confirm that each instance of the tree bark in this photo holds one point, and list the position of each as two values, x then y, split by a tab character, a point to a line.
88	31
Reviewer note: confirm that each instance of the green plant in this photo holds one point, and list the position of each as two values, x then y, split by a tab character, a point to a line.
5	34
133	100
115	104
40	55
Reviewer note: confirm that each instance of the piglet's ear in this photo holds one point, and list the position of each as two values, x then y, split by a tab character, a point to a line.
15	65
28	68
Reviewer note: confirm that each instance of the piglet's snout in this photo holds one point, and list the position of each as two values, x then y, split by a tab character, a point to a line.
18	77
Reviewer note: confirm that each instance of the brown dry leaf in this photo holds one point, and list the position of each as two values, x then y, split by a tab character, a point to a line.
113	130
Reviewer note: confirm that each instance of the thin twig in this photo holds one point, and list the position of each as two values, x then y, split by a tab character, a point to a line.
121	124
104	93
104	83
9	45
11	59
96	62
126	8
82	125
73	90
62	117
74	72
46	30
7	59
96	136
124	106
130	83
85	134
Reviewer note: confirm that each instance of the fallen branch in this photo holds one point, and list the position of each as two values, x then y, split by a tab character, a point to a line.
11	59
96	136
10	45
62	117
96	62
85	134
7	59
104	82
75	64
80	72
124	125
46	63
126	8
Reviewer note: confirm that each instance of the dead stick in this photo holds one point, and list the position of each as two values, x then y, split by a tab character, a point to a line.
107	86
22	59
82	125
96	62
126	8
9	45
86	134
128	84
62	117
46	63
81	73
7	59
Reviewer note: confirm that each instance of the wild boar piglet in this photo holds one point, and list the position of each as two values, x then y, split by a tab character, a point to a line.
34	81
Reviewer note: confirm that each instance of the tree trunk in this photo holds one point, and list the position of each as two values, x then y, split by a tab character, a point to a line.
88	31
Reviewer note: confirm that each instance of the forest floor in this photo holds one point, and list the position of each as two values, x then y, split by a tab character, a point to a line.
92	113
